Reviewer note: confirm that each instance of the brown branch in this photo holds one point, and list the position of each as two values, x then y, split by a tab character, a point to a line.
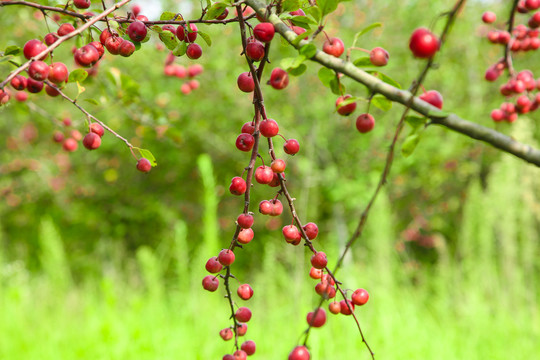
62	39
507	48
46	8
448	120
88	115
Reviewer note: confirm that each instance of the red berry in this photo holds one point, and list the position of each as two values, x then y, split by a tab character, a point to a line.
245	236
82	4
245	292
345	109
279	78
264	32
97	129
241	329
34	86
137	31
223	15
334	307
226	257
319	260
278	166
144	165
489	17
19	82
277	208
255	50
378	56
269	128
245	142
58	137
245	221
240	355
58	73
243	314
248	347
291	146
264	174
238	186
194	51
365	123
423	43
316	318
344	308
50	38
334	46
497	115
38	70
210	283
265	207
105	34
70	144
299	353
191	36
226	334
33	48
113	44
292	234
213	266
65	29
315	273
92	141
248	128
325	290
245	82
433	97
311	230
360	297
126	48
86	56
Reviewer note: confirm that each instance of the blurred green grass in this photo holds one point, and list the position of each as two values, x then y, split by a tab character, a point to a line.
481	303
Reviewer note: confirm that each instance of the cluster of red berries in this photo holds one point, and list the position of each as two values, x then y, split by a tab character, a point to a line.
176	70
520	86
69	141
364	123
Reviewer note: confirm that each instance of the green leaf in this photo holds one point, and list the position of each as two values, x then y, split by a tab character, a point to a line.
301	37
214	11
415	121
205	37
92	101
6	58
169	39
147	154
315	12
381	102
350	100
410	144
327	6
77	75
362	62
180	49
303	21
167	15
298	70
291	5
337	87
326	76
12	50
365	30
308	50
137	45
157	29
292	63
387	79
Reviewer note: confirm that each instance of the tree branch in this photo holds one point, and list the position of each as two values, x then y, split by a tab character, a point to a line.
450	121
62	39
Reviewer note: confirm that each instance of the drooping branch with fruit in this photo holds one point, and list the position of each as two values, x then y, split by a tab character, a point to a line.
302	26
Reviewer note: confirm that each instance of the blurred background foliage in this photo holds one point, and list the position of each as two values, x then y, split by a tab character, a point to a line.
99	261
